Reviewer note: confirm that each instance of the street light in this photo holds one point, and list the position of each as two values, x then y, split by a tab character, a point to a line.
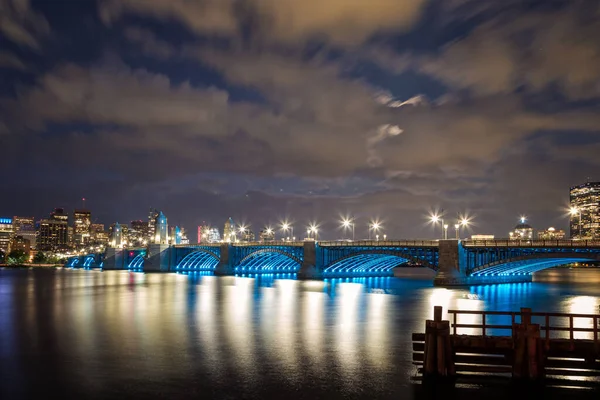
348	223
456	226
576	211
435	219
446	231
285	226
314	229
375	226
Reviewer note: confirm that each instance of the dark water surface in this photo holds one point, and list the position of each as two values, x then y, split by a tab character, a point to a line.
98	335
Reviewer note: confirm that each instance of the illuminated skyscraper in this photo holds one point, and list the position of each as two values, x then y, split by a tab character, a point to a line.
53	234
152	224
6	234
116	235
585	214
229	231
82	219
25	227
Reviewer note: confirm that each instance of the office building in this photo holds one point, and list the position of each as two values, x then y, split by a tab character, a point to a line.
551	234
229	231
53	234
18	242
137	234
152	215
585	211
59	214
6	234
82	219
25	227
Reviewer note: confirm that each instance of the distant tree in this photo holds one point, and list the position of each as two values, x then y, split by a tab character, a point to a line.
16	257
39	258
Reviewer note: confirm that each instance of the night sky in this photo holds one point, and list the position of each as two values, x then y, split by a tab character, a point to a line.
302	109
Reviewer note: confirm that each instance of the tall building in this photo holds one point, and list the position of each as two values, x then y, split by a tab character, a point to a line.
152	215
98	236
116	237
53	235
25	227
212	235
59	214
6	234
161	233
551	234
82	219
137	235
20	243
585	211
229	231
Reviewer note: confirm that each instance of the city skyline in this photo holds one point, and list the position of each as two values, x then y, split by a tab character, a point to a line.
456	104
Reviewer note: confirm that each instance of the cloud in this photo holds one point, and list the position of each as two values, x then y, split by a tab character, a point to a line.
21	24
342	22
203	16
339	21
535	51
10	61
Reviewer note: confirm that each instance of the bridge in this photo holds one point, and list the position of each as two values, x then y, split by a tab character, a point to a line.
455	262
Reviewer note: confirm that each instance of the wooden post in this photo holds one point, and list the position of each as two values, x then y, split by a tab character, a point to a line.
528	349
438	356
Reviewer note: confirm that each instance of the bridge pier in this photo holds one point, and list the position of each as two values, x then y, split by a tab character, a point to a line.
159	258
114	259
451	264
308	269
225	266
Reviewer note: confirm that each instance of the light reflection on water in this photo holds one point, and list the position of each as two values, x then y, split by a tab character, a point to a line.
95	333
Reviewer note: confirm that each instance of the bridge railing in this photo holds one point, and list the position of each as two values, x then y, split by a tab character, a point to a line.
243	244
380	243
531	243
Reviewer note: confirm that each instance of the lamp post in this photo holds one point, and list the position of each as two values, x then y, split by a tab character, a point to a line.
375	226
576	211
445	231
348	223
435	219
456	227
286	226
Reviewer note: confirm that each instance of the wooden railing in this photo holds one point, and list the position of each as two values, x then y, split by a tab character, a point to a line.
547	319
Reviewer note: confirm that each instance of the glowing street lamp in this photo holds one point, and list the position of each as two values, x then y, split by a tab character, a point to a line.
286	226
456	227
576	211
374	226
434	218
446	231
348	223
314	229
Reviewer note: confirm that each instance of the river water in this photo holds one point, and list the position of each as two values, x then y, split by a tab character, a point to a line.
98	335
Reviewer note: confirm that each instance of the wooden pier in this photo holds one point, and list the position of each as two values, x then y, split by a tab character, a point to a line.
535	346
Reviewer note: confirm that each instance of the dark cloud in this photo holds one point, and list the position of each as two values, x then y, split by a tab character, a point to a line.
319	139
21	24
